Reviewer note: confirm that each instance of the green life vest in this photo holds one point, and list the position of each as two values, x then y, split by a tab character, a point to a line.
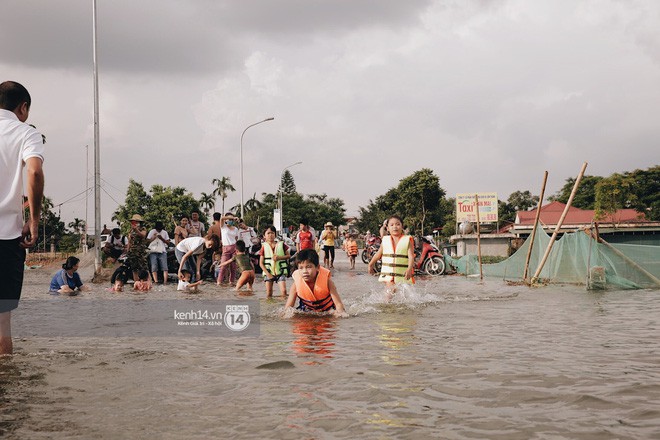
281	267
395	261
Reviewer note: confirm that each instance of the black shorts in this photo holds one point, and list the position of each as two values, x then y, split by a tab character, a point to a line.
12	265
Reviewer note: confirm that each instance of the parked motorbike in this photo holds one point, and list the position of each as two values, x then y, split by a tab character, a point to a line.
428	258
370	248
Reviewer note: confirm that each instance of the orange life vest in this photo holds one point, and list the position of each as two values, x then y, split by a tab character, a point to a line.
352	247
319	299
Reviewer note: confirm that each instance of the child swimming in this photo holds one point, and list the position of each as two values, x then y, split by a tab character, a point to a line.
313	287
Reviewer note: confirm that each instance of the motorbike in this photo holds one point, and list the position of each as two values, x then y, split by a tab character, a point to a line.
371	246
428	258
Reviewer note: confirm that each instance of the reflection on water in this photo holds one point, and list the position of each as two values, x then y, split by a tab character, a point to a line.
397	334
314	337
449	358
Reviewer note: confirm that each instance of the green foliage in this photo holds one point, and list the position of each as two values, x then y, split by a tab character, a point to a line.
69	243
614	193
317	208
517	201
222	188
207	202
287	184
166	204
585	197
647	191
51	226
418	199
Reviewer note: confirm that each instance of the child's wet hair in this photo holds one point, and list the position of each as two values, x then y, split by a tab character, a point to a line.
240	246
272	228
185	272
70	262
143	275
307	255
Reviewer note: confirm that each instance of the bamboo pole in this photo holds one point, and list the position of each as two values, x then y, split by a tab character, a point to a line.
481	271
559	224
627	259
536	223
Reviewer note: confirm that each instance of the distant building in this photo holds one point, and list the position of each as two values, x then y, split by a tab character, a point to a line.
624	226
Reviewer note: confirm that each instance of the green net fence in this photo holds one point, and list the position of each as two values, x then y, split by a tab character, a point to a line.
576	258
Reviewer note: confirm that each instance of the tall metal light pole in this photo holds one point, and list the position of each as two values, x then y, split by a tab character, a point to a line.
246	128
97	153
280	207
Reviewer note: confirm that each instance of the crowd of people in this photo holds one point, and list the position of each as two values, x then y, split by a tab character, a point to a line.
145	251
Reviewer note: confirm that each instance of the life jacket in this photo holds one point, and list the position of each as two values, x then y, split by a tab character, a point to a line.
395	263
281	267
318	300
352	247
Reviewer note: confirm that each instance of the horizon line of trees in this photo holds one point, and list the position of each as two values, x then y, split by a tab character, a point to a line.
418	199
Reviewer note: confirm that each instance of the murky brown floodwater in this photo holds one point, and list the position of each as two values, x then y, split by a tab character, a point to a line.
453	359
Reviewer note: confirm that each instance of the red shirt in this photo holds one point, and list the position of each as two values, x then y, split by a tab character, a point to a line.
306	239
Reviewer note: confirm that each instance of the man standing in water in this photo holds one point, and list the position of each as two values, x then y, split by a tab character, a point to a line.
21	146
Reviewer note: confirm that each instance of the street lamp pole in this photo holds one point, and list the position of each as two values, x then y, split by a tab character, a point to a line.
246	128
280	200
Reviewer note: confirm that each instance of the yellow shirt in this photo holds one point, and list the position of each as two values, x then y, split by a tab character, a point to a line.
328	238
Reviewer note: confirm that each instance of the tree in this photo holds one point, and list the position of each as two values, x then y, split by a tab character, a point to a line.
287	185
614	193
517	201
418	199
162	204
207	202
585	197
647	191
51	226
222	187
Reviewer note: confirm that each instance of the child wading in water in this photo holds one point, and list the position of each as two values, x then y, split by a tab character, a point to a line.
351	249
185	284
143	284
273	260
398	254
245	267
313	286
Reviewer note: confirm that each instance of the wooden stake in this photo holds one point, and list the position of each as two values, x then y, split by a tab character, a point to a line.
559	224
481	271
627	259
536	223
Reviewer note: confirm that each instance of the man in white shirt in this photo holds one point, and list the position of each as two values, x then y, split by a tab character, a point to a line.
21	146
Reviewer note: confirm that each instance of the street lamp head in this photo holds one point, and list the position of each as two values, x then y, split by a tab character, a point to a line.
269	119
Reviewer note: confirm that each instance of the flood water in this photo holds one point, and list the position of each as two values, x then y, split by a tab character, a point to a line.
450	359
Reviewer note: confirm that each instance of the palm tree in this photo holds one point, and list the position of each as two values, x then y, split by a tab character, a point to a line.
78	227
207	201
253	204
222	187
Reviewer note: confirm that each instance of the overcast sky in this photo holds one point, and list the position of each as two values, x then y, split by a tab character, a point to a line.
488	94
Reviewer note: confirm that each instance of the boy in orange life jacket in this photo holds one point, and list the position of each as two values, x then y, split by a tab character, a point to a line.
313	286
351	249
